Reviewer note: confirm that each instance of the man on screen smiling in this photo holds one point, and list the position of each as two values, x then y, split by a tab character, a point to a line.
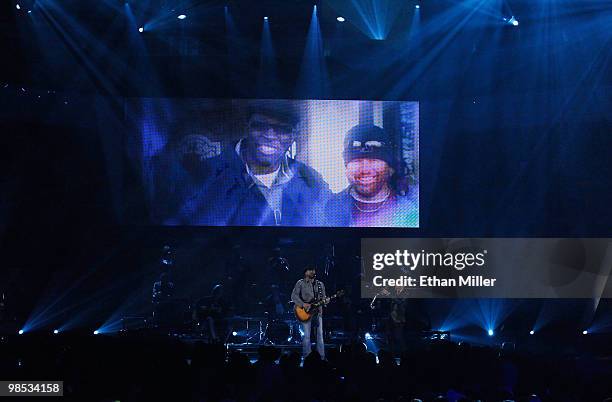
255	182
371	200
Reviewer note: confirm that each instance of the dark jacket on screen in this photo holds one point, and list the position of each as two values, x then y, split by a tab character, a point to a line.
222	192
405	211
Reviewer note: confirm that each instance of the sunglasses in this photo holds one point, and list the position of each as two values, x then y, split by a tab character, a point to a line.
368	145
282	130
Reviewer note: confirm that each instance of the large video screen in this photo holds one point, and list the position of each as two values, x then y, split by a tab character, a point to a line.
270	162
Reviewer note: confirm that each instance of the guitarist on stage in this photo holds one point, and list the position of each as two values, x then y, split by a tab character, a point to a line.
306	292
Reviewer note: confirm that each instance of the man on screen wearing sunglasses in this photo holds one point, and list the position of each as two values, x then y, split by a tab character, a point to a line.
255	182
370	199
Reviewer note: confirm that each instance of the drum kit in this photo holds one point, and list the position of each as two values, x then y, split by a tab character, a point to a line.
264	330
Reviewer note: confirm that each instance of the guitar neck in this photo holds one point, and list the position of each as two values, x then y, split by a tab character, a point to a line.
321	302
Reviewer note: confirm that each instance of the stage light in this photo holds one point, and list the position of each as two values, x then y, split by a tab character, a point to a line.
265	18
531	332
585	332
340	19
368	336
182	17
55	331
17	6
417	6
141	29
96	332
512	21
29	11
234	333
21	332
490	332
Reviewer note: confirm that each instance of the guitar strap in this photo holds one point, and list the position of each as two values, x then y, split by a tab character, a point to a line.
315	291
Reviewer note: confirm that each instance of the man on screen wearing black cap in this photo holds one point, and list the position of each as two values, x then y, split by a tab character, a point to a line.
371	200
255	182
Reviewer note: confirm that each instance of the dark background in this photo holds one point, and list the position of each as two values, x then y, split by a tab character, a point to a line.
515	129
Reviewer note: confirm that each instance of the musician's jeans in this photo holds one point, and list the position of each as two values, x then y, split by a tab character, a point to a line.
306	342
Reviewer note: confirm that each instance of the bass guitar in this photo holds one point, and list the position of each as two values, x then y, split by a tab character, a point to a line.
305	314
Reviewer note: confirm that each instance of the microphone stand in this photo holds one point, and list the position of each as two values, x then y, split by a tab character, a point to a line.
315	285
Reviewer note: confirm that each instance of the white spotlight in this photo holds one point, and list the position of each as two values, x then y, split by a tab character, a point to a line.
585	332
265	18
490	332
141	29
234	333
340	19
55	331
21	332
512	21
182	17
96	332
368	336
531	332
417	6
17	6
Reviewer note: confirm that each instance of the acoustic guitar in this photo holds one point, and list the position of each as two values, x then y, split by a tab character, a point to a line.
305	314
